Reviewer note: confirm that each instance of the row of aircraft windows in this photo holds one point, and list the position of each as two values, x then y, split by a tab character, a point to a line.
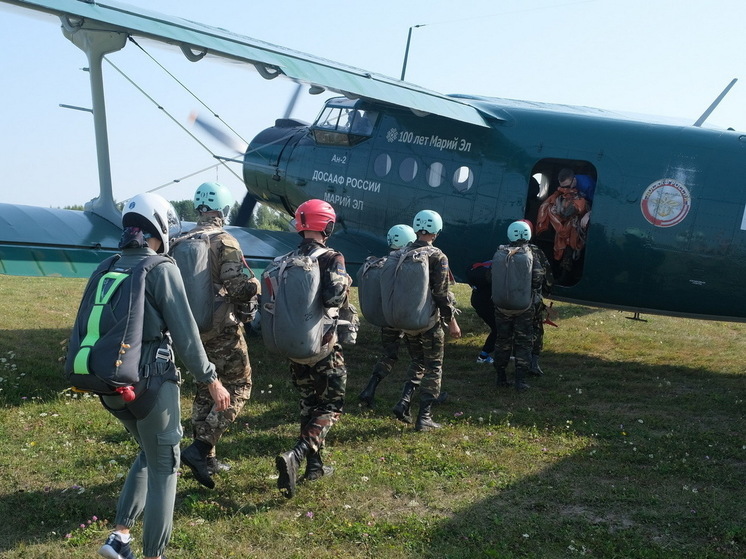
344	125
462	178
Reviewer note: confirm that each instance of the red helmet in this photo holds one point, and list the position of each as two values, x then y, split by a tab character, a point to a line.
315	215
530	225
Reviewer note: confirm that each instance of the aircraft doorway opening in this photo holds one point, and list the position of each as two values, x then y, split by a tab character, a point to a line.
559	201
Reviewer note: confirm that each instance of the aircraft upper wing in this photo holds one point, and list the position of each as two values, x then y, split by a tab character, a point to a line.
269	60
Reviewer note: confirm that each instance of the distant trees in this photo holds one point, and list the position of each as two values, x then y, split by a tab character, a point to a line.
185	209
263	217
267	218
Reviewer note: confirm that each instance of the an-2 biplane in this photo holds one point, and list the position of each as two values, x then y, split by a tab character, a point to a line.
667	232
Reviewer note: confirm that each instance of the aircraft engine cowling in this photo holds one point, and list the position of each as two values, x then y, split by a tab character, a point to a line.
265	164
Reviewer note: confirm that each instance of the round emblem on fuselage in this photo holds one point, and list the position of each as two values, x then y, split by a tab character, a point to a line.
665	203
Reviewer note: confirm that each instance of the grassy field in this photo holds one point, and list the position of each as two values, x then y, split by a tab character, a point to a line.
632	445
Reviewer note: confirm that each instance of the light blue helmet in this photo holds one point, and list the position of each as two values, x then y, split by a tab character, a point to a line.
213	197
428	221
400	236
519	230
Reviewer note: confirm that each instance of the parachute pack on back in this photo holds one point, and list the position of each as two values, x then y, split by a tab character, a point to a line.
106	342
369	290
192	256
406	299
295	322
511	279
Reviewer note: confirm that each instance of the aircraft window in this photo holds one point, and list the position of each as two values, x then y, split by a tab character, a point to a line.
331	138
543	181
382	165
463	178
330	118
361	122
343	126
435	174
408	169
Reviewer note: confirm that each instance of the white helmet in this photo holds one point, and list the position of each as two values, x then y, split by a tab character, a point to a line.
519	230
154	215
400	236
428	221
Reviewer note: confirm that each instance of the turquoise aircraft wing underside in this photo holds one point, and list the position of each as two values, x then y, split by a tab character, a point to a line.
267	58
68	243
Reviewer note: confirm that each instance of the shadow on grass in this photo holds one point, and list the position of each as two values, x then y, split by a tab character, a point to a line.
660	473
652	465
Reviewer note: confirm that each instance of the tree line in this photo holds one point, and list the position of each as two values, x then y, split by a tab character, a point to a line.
263	216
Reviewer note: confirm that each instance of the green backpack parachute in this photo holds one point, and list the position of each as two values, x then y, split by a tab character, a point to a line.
105	345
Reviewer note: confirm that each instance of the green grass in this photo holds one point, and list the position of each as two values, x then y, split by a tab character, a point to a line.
631	446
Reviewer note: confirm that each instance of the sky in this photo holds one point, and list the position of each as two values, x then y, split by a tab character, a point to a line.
668	58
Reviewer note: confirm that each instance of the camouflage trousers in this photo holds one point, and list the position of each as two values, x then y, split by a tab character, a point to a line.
322	395
229	353
540	315
390	341
515	335
426	352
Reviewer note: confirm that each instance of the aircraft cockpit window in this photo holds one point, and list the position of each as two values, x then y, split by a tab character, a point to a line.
408	169
463	178
435	174
344	125
361	122
382	165
330	118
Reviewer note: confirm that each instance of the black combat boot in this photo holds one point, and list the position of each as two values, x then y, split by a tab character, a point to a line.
215	466
520	380
502	378
442	399
315	467
534	370
288	464
195	456
369	392
424	418
401	409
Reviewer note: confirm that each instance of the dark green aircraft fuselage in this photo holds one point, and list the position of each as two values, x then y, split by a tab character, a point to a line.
667	227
